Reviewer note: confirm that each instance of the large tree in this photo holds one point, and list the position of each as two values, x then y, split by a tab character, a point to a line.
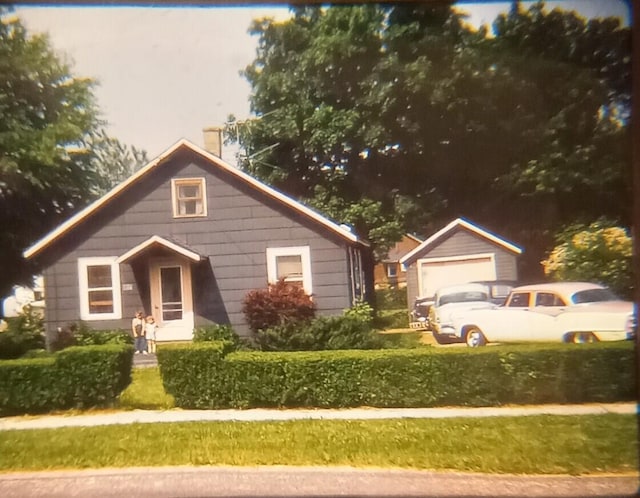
113	161
402	117
53	157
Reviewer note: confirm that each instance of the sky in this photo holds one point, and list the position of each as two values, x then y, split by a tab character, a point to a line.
166	73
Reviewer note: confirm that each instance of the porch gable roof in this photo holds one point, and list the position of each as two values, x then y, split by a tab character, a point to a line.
157	240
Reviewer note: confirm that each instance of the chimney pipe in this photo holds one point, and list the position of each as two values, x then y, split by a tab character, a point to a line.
213	140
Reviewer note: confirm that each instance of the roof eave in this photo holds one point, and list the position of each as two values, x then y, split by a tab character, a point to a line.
411	256
60	230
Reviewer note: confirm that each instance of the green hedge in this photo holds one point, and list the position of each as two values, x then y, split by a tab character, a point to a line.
205	376
77	377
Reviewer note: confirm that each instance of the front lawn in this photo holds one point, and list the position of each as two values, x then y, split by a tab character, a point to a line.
146	391
521	445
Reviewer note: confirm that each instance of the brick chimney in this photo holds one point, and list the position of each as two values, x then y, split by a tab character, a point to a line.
213	140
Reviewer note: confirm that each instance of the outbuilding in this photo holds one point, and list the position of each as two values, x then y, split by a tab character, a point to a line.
458	253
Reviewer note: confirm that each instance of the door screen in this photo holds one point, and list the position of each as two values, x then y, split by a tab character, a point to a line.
171	293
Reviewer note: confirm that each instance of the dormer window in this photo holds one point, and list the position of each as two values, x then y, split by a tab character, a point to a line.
189	197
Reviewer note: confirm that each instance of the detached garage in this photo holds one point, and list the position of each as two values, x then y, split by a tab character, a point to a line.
461	252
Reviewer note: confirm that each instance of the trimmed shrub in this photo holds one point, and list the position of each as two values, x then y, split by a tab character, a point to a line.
401	340
186	368
209	378
78	377
279	304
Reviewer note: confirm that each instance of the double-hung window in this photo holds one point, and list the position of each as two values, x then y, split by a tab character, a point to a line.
99	285
293	264
189	197
392	270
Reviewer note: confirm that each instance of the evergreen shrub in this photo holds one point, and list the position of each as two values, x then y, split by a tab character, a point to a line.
78	377
210	378
23	333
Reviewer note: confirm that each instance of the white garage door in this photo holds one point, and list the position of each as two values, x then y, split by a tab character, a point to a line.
436	273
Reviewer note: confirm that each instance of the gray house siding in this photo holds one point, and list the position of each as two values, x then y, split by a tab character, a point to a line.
240	225
462	243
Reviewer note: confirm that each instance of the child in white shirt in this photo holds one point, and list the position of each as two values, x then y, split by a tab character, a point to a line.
150	329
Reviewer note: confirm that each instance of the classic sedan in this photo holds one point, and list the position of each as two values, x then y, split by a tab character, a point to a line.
563	311
454	300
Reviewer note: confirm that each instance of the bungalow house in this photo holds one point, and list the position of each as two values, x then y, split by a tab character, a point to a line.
184	239
389	273
458	253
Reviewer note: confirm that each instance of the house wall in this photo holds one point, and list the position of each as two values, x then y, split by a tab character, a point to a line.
240	225
462	243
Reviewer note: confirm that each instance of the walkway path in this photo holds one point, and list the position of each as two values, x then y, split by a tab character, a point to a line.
145	360
260	414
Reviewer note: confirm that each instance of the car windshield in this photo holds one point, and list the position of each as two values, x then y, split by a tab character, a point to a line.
463	297
593	296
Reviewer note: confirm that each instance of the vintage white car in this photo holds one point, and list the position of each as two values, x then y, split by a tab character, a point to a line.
454	300
563	311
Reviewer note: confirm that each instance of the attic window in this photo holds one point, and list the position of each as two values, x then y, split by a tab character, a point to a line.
189	197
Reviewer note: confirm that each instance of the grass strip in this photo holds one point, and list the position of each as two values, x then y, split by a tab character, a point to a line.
146	391
521	445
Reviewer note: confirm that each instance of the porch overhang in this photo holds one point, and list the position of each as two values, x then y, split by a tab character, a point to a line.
157	241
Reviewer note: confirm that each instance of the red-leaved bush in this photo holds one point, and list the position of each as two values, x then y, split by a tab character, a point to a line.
279	304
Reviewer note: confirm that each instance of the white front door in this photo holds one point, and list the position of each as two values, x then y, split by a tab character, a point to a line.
171	299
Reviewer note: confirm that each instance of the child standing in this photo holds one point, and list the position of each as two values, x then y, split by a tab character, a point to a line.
150	329
138	332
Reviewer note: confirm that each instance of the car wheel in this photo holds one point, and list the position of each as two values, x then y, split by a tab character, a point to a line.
583	338
475	338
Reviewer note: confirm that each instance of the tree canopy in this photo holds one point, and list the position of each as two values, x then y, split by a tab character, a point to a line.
400	117
113	161
53	157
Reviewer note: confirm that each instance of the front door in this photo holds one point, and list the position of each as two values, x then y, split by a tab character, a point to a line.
171	299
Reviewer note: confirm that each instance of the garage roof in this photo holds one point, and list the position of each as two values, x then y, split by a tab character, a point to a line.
455	225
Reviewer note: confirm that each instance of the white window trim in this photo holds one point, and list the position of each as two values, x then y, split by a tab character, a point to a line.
83	288
174	198
305	254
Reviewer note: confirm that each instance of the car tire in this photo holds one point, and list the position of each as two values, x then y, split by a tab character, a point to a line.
583	338
474	337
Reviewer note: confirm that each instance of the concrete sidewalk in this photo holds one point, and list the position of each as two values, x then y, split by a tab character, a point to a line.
260	414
